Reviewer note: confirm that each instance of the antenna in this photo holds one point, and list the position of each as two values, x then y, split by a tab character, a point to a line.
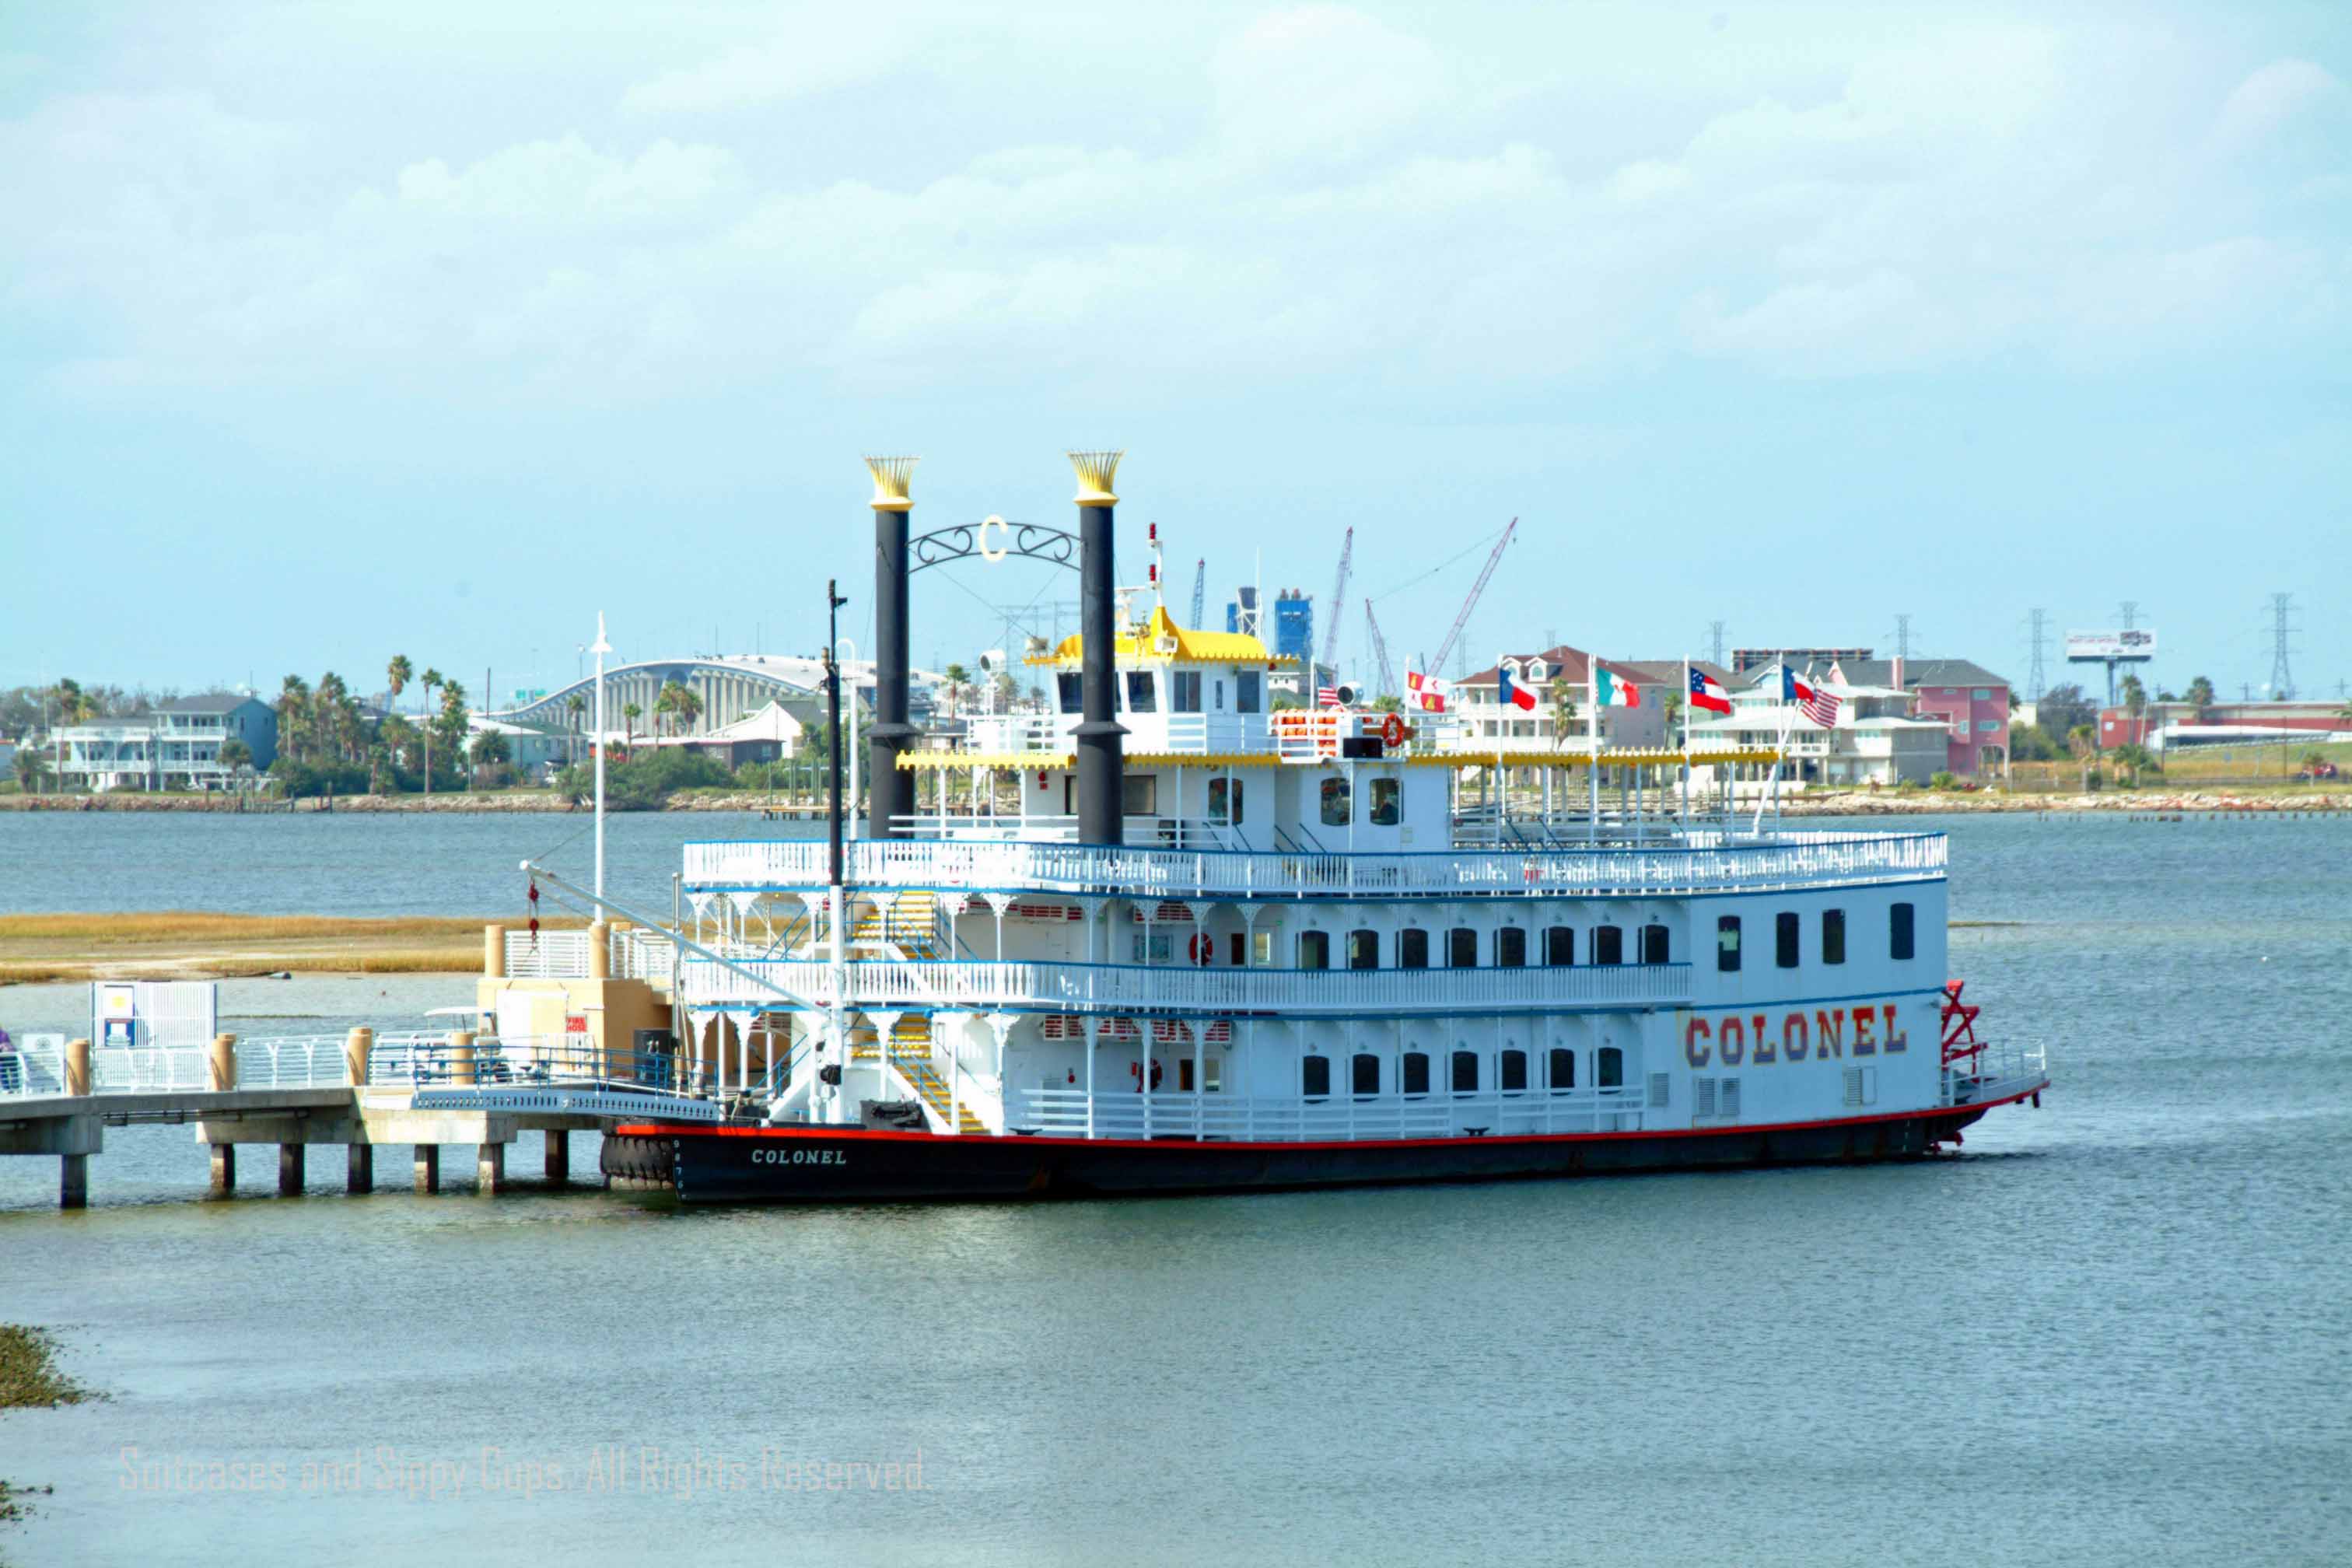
2281	678
2038	638
1902	635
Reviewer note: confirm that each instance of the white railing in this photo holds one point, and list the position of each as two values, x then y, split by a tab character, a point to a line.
641	954
1184	989
1711	864
302	1061
551	955
135	1069
36	1067
1065	1112
1015	733
1998	1072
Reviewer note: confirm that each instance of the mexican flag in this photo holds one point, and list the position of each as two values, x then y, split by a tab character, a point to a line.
1615	691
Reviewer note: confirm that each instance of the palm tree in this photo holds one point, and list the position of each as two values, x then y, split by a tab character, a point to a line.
2200	693
293	715
396	677
1564	707
33	770
429	679
690	707
2135	696
630	714
575	705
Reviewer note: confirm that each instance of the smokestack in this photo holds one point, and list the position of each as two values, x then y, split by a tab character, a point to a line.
890	793
1102	767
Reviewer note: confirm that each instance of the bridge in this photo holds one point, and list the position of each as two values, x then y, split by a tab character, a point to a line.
361	1090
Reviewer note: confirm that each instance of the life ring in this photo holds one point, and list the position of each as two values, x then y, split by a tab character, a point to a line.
1201	948
1393	731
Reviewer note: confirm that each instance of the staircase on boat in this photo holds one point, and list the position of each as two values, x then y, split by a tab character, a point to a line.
913	1061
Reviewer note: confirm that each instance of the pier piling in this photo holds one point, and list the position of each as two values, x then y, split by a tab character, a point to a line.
428	1167
490	1168
289	1170
73	1181
224	1181
220	1076
77	1066
360	1176
558	1156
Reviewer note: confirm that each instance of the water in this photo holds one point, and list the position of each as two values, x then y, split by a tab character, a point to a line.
2115	1332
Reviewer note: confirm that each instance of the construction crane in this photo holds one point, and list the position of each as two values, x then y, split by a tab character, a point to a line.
1454	633
1338	598
1387	671
1200	592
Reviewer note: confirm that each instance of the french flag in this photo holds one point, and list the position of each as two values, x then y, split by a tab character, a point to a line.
1510	692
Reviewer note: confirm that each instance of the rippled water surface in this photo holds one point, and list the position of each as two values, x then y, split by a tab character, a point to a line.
2117	1329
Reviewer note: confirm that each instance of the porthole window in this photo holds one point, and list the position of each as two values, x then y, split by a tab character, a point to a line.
1832	936
1784	938
1900	935
1562	1068
1365	1073
1315	1077
1515	1072
1610	1068
1465	1072
1727	944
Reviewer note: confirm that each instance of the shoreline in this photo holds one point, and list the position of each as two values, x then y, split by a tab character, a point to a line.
188	944
1844	803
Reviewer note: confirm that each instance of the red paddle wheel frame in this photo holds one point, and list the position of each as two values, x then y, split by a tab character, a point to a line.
1961	1042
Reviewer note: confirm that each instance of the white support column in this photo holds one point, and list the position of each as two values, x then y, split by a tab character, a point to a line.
1087	1027
1001	1024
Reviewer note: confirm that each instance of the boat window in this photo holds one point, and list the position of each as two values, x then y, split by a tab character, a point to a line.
1412	948
1610	1068
1314	1073
1727	944
1563	1068
1608	944
1416	1072
1384	801
1560	945
1314	949
1141	697
1364	1073
1186	696
1247	685
1363	949
1461	948
1262	949
1900	942
1832	936
1784	938
1654	943
1226	802
1139	795
1072	688
1510	948
1465	1072
1515	1071
1335	801
1218	700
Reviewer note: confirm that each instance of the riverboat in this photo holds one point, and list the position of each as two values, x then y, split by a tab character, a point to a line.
1168	937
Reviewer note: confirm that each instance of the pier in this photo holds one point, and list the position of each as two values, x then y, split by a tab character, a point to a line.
361	1092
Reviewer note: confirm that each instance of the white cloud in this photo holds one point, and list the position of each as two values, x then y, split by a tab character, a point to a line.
2269	98
810	60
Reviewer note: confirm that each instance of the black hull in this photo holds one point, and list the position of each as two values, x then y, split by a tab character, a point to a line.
800	1164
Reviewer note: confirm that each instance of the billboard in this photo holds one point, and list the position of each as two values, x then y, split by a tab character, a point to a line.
2099	648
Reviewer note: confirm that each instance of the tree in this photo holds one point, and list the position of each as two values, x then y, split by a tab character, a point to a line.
2064	707
490	751
2135	696
429	679
1563	706
958	678
630	714
33	771
396	675
236	755
399	739
574	707
2200	693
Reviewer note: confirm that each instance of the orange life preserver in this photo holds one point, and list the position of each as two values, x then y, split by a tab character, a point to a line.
1393	731
1201	949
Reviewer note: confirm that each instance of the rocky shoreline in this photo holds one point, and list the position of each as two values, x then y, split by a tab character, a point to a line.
1847	803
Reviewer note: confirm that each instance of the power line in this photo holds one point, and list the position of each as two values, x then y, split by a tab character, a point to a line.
1902	635
2281	678
2039	637
2128	613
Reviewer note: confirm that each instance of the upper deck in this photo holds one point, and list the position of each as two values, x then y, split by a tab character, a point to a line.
1702	862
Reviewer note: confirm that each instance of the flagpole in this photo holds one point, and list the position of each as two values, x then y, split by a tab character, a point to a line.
1772	785
1686	724
1592	745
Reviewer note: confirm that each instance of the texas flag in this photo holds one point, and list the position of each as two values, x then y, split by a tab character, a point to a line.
1708	693
1508	690
1817	704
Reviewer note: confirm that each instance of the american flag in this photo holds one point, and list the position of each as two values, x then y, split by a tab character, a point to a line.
1327	697
1818	703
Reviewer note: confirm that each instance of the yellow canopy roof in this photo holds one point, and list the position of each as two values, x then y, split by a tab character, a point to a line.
1160	640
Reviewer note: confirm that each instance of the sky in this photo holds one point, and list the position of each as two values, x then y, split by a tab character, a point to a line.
333	331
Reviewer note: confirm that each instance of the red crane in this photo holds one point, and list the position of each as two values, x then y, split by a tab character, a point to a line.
1437	666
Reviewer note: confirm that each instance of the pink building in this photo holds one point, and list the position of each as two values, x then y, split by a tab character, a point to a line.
1970	699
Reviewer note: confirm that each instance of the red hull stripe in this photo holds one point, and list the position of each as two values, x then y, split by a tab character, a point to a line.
676	1129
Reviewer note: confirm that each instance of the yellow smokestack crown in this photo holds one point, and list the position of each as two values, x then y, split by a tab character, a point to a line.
1095	471
890	478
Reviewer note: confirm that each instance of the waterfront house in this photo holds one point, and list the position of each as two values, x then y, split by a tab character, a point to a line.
175	745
